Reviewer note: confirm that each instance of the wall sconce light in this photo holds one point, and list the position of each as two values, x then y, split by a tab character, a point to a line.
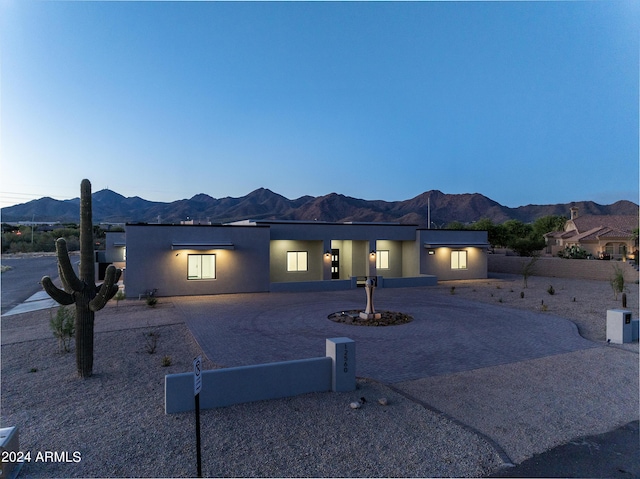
327	254
373	253
431	252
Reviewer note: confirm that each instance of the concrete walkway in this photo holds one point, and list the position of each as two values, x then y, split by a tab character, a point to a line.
527	381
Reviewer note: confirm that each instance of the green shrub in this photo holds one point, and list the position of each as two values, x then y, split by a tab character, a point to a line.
63	327
573	252
119	296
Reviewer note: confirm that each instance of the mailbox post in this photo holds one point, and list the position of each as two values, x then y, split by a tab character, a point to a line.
197	386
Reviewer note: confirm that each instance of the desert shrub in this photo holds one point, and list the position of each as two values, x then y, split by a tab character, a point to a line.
63	327
573	252
119	296
151	341
617	281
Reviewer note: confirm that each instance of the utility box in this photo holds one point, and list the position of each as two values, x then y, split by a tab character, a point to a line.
619	326
10	450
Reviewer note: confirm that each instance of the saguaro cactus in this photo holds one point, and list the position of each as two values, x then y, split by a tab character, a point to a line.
87	296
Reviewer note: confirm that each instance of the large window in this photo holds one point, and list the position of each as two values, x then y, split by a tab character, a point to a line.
382	259
201	266
297	261
458	260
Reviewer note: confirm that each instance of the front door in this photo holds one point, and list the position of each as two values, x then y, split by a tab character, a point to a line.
335	264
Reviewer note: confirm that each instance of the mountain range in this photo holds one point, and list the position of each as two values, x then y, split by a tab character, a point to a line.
111	207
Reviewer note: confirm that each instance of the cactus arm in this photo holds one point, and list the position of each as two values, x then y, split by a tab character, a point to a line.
58	295
68	276
65	286
108	289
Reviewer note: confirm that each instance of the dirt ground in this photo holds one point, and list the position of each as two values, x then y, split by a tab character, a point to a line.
585	302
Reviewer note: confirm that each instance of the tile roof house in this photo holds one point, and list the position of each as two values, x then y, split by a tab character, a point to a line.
602	236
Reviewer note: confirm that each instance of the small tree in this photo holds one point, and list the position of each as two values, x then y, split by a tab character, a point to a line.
528	268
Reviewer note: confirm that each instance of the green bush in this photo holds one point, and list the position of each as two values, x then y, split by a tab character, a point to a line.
573	252
63	327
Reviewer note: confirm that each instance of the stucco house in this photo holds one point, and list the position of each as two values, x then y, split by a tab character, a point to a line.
602	236
262	256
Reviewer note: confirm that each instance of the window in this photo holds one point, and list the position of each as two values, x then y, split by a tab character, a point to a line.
458	260
296	261
382	259
201	266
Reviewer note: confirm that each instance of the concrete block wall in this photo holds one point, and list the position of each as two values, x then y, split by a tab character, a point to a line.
563	268
228	386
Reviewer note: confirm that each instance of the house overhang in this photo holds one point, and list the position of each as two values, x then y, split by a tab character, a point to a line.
463	244
203	246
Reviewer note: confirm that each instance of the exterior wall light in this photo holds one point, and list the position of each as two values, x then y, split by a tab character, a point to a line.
431	252
327	254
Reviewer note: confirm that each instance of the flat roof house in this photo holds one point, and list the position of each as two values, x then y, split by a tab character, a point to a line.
261	256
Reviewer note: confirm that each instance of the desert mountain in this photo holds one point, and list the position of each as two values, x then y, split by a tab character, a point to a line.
111	207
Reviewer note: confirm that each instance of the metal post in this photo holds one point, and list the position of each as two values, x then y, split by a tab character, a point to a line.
199	453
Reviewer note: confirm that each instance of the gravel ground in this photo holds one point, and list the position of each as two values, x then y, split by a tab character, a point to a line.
116	420
585	302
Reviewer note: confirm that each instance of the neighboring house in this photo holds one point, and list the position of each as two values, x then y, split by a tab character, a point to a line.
260	256
602	236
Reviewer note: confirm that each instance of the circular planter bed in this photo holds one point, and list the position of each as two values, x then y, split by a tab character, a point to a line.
388	318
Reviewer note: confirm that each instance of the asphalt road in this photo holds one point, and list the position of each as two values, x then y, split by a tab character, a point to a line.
23	279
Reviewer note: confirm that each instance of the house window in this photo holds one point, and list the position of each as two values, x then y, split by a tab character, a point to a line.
201	266
296	261
382	259
458	260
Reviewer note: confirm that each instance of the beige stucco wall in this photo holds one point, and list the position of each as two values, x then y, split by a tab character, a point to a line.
395	258
563	268
278	260
439	264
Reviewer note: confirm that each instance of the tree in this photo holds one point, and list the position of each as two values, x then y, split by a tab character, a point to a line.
82	290
455	225
485	224
547	224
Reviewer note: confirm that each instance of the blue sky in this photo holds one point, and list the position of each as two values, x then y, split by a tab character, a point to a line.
524	102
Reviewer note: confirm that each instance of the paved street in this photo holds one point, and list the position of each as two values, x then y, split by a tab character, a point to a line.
23	279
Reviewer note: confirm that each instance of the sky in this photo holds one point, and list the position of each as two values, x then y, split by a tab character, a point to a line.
523	102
